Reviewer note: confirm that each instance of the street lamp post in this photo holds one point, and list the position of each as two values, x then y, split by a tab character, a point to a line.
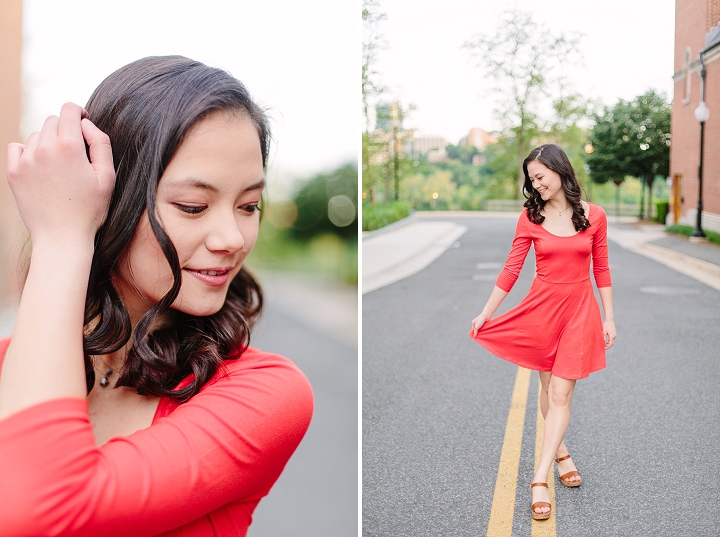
435	197
701	114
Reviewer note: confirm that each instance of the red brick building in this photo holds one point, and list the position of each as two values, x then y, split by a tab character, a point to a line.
697	41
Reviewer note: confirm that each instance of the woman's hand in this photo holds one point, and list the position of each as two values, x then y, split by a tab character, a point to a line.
478	321
609	333
61	194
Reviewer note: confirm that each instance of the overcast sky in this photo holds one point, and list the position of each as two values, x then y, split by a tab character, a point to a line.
301	59
627	49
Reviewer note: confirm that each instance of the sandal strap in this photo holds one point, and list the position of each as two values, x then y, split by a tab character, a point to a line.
538	485
569	474
560	459
541	504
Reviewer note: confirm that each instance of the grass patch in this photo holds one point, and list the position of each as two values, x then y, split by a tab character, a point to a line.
377	215
681	229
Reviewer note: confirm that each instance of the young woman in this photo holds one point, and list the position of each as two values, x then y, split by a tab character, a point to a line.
130	400
556	329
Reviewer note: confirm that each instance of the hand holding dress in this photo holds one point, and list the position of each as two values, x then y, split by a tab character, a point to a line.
557	326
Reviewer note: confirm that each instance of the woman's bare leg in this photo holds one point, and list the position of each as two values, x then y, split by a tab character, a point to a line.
557	419
567	465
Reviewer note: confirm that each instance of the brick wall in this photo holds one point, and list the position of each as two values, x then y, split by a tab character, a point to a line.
693	19
691	25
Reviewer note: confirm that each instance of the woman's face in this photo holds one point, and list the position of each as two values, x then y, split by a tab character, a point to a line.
547	182
207	202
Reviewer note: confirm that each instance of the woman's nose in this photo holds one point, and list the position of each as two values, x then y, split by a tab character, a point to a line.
225	235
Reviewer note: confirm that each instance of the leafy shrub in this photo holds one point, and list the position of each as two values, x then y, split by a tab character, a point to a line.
681	229
377	215
662	208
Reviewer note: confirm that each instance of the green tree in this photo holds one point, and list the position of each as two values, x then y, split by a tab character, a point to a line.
463	153
633	138
500	169
373	42
390	132
523	58
327	203
420	190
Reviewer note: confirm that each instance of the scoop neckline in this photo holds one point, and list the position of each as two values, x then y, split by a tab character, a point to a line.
590	210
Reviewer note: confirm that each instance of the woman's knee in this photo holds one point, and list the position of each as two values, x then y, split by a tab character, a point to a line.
560	393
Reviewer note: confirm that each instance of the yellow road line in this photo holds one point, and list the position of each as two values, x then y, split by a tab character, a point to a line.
503	505
544	528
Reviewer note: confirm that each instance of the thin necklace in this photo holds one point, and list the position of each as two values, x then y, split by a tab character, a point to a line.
559	212
104	381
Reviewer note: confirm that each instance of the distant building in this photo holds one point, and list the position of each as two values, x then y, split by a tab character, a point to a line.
479	138
436	155
697	41
423	145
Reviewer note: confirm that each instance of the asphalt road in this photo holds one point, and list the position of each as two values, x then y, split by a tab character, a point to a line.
645	432
317	494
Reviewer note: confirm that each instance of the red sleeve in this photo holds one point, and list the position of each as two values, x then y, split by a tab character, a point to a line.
520	246
601	268
229	442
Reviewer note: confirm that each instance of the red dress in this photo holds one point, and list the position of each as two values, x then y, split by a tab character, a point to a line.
557	326
199	470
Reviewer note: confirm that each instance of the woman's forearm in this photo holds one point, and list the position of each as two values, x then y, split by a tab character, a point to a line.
493	303
45	358
607	303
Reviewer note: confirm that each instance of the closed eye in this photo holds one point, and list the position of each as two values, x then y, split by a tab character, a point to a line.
190	209
252	208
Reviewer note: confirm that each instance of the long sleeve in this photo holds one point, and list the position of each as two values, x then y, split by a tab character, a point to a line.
228	443
520	247
600	265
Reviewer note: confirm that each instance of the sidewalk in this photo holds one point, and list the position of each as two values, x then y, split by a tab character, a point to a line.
700	261
404	248
408	246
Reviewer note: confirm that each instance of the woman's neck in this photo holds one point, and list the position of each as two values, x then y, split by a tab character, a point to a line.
558	202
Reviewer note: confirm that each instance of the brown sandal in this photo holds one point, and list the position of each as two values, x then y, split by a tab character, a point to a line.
564	477
539	516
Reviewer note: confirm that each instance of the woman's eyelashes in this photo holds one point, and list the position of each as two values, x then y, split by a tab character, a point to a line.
190	209
197	209
255	207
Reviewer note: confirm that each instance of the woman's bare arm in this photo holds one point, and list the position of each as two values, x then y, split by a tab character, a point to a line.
609	332
62	198
493	303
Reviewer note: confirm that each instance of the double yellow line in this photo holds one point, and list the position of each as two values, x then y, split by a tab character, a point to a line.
503	505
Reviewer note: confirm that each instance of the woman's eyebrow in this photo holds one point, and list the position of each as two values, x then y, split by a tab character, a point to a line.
195	183
259	185
203	185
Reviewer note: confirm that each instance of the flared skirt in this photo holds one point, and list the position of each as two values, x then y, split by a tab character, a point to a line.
557	327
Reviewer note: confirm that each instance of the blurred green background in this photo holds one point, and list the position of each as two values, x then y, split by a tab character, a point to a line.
315	232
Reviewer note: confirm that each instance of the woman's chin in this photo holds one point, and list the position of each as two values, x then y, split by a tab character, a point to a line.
198	310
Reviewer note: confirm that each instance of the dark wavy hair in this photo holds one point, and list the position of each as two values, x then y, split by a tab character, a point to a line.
146	108
554	158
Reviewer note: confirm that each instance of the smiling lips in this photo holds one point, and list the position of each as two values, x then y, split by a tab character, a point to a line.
214	277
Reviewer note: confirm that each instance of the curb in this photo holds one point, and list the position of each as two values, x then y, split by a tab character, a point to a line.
390	227
701	264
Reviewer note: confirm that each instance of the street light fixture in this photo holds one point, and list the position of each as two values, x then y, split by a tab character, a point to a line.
435	197
701	114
